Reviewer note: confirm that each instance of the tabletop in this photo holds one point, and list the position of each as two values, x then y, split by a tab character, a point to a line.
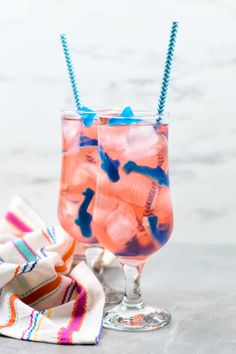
195	282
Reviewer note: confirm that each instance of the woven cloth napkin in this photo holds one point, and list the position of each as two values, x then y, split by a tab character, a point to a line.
42	297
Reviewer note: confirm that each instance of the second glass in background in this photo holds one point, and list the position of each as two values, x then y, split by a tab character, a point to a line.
77	191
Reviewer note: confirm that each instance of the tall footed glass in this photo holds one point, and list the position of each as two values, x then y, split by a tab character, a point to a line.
133	215
78	189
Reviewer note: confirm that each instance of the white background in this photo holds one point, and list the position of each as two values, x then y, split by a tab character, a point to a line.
119	49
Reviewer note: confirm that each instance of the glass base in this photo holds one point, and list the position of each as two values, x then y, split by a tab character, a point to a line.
122	318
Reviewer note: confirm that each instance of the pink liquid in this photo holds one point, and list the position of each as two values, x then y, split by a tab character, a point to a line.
78	175
133	215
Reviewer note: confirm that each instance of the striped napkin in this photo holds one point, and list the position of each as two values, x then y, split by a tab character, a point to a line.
42	297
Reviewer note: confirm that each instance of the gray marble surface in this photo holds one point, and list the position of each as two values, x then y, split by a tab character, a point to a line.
196	283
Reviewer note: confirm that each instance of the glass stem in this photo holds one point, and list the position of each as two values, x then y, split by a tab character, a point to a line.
94	259
132	298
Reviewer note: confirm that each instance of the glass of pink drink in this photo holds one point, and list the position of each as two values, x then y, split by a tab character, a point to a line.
133	215
77	192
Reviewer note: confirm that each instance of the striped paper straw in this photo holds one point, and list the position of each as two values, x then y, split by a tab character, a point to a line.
167	68
71	72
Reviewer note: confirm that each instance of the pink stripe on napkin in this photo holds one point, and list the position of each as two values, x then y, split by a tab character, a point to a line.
13	219
65	334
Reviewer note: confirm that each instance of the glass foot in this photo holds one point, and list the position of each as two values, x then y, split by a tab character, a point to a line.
147	318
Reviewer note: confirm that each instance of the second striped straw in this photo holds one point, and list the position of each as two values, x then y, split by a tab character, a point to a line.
167	69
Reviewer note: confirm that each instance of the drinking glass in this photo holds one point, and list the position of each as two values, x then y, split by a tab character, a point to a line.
133	215
78	189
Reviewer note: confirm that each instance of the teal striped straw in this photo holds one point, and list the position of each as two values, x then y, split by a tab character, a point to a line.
71	71
167	68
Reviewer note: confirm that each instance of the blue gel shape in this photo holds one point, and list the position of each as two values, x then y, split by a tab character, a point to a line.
111	167
86	141
127	112
124	119
84	218
133	248
157	173
88	116
159	232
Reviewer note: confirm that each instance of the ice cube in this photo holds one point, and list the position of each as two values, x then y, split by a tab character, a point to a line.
103	204
143	142
70	161
113	140
114	221
70	207
71	130
136	189
78	172
85	175
121	223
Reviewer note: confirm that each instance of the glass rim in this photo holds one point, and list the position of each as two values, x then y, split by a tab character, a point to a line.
73	114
